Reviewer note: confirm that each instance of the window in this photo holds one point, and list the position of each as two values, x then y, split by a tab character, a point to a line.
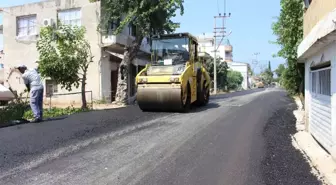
26	25
307	3
51	87
114	24
133	30
321	82
70	17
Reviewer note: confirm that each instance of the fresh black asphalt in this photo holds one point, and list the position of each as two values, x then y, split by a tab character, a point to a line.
239	138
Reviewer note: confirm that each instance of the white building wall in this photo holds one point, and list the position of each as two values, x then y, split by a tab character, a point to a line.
206	45
243	69
326	54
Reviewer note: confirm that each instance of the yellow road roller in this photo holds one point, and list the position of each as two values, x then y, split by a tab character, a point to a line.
175	78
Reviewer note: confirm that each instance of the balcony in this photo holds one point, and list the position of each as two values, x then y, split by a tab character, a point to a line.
116	43
228	59
315	12
228	48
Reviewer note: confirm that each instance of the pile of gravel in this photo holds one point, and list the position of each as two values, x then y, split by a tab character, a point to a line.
283	163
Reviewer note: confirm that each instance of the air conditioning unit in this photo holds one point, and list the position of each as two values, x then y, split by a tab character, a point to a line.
48	22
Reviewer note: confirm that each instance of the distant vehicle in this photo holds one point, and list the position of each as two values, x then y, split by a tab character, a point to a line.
6	95
260	85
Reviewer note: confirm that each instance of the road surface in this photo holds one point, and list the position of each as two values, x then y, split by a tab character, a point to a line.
240	138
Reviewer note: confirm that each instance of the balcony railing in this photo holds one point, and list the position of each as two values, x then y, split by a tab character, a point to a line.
120	39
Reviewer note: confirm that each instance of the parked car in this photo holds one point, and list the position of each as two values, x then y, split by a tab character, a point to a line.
6	95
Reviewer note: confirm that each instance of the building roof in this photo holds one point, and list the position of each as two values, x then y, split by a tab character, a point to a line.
25	4
245	63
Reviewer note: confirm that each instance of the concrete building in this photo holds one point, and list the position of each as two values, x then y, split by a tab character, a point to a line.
224	51
21	25
318	52
243	68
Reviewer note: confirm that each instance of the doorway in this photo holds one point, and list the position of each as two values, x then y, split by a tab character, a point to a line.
114	83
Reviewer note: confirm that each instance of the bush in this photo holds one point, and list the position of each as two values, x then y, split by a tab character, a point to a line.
13	111
234	80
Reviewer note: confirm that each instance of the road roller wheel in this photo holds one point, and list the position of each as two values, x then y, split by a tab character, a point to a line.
199	100
206	96
186	103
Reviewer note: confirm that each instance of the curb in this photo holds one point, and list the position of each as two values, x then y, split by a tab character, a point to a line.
314	165
317	162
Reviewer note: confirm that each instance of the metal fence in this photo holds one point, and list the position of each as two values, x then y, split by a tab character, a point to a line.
53	95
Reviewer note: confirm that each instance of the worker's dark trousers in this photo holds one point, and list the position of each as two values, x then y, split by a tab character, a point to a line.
36	103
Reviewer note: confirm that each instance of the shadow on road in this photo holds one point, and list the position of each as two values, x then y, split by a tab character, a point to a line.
211	105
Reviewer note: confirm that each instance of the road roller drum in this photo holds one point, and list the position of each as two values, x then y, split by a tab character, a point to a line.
161	98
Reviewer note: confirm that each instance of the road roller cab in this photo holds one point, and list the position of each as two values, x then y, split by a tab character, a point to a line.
175	78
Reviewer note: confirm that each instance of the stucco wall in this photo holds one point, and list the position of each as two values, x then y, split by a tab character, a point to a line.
316	11
106	67
25	52
328	55
243	69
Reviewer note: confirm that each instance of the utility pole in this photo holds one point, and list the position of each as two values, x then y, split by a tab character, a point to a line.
255	62
218	32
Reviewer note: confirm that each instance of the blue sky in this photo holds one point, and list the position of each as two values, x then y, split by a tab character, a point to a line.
250	24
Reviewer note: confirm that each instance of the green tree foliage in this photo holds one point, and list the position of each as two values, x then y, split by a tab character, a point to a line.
234	79
279	71
250	71
267	75
289	32
64	56
148	16
222	69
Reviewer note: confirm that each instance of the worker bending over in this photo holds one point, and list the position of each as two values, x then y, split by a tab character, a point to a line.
33	82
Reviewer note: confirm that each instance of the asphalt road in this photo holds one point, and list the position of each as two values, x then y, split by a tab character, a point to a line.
239	138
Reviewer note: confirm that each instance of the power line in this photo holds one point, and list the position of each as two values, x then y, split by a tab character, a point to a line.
219	32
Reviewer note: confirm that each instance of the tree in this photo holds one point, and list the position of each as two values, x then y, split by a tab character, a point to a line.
267	75
149	18
65	56
221	69
279	71
234	79
250	71
289	32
